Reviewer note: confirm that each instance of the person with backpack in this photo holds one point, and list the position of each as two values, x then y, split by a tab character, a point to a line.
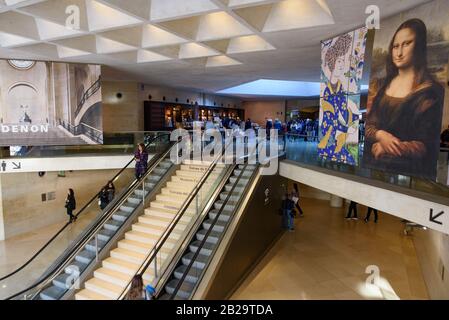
70	205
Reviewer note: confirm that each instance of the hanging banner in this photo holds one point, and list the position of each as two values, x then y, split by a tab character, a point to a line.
342	67
406	98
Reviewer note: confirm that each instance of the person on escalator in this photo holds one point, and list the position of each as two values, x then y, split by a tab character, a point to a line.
103	198
70	205
106	195
141	157
110	189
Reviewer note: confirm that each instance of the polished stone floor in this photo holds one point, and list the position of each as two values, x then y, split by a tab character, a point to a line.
327	257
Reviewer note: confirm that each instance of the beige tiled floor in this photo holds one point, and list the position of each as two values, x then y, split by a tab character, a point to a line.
327	256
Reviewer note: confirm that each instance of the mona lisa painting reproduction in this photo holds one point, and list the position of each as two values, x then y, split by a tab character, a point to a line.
406	100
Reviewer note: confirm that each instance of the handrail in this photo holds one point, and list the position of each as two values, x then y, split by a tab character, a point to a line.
94	230
87	94
209	231
76	215
92	128
163	238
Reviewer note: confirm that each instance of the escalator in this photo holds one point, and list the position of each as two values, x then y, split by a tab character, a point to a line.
54	251
107	232
192	264
106	257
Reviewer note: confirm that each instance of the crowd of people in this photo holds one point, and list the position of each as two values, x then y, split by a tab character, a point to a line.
304	127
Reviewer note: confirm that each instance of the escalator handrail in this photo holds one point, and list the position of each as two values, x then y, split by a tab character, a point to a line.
209	231
164	237
154	162
78	214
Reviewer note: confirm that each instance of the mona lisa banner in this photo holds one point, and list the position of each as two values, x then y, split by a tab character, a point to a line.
343	60
50	103
406	97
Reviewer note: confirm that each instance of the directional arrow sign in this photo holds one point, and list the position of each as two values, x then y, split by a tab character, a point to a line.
17	166
433	218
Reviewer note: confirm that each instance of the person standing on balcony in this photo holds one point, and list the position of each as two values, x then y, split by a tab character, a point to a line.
141	157
70	204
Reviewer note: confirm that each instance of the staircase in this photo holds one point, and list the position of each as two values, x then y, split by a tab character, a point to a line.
207	250
117	270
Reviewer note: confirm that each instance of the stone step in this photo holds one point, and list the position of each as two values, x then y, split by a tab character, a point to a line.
121	266
128	255
104	288
90	295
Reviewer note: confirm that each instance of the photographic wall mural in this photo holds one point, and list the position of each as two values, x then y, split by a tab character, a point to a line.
49	103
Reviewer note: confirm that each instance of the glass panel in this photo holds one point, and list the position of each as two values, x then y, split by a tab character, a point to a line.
300	150
114	144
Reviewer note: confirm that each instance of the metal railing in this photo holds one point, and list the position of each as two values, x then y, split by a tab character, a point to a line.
83	129
87	94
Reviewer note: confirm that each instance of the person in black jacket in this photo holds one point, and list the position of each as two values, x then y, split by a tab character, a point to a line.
106	195
70	204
